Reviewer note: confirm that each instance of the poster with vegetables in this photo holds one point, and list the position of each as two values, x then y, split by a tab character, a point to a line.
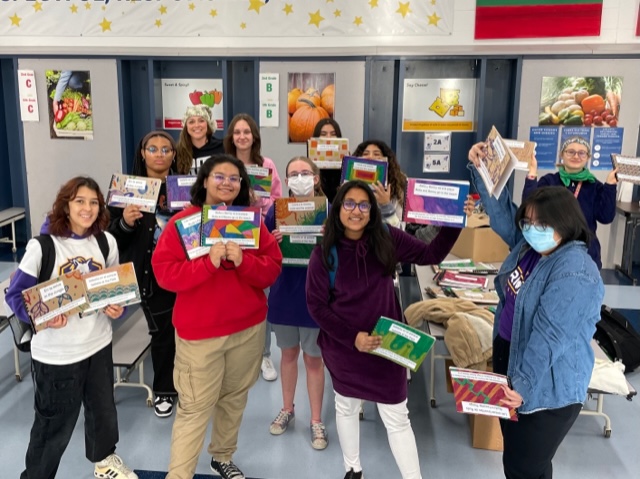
69	100
178	94
580	101
310	98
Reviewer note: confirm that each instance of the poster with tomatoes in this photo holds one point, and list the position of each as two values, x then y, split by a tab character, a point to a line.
179	94
580	101
69	100
310	98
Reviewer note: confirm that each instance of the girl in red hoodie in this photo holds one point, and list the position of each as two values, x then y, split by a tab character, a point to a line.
219	318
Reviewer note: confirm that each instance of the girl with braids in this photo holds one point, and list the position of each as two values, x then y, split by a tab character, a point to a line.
391	197
137	234
367	254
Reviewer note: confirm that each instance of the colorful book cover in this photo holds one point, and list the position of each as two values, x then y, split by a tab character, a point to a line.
401	343
628	168
134	190
364	169
62	295
189	234
261	179
479	392
114	285
497	165
179	191
327	153
296	249
436	202
240	224
301	214
524	151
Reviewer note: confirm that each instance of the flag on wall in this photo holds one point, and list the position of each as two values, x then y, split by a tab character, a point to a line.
537	18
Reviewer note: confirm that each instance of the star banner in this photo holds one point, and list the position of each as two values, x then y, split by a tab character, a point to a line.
225	18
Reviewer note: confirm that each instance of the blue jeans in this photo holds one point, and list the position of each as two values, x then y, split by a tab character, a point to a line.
59	393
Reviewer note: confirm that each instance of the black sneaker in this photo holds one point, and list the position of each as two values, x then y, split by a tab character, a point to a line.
163	406
227	470
354	475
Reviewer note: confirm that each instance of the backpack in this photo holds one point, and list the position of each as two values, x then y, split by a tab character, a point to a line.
22	332
617	338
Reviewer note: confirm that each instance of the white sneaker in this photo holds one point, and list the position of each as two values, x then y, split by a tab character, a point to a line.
112	467
269	372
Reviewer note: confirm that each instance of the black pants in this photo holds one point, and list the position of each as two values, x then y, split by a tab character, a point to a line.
532	441
163	351
59	393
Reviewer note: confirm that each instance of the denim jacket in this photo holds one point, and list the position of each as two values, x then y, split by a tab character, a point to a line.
556	309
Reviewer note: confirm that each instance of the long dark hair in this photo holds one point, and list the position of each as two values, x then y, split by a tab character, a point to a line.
327	121
199	192
397	179
139	168
59	224
377	236
184	151
556	206
230	147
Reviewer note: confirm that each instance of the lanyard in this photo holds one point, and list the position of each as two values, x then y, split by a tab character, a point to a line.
577	192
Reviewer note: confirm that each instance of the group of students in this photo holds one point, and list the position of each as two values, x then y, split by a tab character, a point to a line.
209	357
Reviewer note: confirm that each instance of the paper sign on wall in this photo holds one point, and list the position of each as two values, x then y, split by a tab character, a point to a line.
178	94
436	163
269	100
437	142
28	96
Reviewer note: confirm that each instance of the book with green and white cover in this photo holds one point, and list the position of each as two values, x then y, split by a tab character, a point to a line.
296	249
401	343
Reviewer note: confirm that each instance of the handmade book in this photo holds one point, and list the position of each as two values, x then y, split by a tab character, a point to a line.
134	190
457	280
628	168
364	169
114	285
436	202
62	295
179	191
240	224
261	179
498	163
477	296
296	249
327	153
189	234
524	151
301	214
465	266
479	392
401	343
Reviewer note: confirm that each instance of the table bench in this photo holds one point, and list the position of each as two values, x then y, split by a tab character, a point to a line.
9	217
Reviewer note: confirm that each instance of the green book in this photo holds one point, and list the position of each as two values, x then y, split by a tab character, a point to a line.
296	249
401	343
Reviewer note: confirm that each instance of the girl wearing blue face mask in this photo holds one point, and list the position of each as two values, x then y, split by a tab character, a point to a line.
550	295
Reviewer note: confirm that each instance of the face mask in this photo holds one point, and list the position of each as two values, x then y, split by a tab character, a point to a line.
540	241
301	185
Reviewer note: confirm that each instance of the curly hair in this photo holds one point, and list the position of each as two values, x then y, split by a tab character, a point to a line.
185	149
317	188
59	224
230	147
140	169
397	179
199	191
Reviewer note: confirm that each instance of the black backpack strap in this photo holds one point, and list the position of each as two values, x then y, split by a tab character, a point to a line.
103	243
48	257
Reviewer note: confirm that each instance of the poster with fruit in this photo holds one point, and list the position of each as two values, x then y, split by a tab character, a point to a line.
69	100
310	98
580	101
178	94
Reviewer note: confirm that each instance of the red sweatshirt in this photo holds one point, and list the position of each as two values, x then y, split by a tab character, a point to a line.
213	302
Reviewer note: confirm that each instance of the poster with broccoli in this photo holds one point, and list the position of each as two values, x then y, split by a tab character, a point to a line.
69	99
178	94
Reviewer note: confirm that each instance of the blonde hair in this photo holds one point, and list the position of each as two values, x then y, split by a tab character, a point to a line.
317	188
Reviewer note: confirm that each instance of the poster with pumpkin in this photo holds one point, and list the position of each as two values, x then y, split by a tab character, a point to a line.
310	98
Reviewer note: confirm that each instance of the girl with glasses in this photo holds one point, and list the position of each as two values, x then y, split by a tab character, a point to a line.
367	254
219	318
137	234
197	141
550	295
597	200
290	320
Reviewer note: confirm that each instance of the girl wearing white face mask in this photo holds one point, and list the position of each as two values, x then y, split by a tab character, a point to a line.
290	319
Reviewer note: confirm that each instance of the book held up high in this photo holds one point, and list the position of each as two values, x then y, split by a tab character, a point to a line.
628	168
240	224
364	169
498	163
261	180
301	214
179	191
479	392
401	343
327	153
436	202
134	190
524	151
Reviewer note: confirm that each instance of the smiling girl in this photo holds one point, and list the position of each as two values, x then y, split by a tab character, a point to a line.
197	143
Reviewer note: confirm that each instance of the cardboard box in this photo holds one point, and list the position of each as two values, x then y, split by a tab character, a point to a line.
479	242
485	432
447	364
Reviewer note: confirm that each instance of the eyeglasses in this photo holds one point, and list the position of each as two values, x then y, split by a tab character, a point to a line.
350	205
233	179
526	224
163	151
300	173
582	154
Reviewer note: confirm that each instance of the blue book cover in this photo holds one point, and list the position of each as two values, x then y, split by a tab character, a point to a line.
179	191
436	202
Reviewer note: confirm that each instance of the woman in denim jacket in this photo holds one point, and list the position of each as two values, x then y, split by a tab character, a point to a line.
550	295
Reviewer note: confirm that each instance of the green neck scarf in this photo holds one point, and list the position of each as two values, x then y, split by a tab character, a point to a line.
583	175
